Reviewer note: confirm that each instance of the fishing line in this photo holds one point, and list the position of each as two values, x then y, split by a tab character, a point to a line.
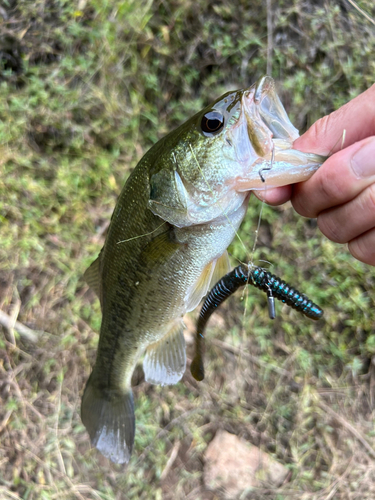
251	262
338	140
141	235
264	169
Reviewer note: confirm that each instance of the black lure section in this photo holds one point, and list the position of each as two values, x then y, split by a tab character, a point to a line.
260	278
282	291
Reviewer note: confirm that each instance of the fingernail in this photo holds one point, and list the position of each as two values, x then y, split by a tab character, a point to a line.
259	195
363	161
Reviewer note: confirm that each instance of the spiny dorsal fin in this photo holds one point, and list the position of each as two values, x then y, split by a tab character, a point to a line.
165	360
92	275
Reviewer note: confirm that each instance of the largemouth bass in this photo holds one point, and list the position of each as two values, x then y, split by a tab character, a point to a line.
166	245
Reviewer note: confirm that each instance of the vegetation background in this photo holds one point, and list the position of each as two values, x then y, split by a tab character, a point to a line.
86	87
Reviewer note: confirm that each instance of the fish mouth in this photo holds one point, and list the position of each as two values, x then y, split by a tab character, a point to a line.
272	134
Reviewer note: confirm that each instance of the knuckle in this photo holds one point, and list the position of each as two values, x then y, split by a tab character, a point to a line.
363	248
301	207
371	199
331	187
330	228
319	129
303	201
312	197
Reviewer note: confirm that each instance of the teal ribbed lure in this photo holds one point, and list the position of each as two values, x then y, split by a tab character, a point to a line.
260	278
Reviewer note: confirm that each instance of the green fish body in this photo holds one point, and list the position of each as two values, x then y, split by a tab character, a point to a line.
166	245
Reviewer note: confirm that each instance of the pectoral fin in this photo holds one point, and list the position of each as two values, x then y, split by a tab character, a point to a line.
165	360
160	249
222	267
210	275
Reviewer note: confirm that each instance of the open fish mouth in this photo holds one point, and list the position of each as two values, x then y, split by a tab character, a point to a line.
272	111
272	134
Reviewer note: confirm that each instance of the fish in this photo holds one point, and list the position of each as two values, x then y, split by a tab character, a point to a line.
167	245
243	275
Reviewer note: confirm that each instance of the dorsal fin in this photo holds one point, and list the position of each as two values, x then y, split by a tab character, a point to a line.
92	275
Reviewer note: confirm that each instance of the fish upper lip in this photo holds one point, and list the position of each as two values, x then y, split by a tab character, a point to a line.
268	107
276	134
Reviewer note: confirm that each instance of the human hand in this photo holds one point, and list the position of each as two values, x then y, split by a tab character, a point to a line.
341	194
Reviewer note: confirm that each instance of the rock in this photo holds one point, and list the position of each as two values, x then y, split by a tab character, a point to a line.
232	466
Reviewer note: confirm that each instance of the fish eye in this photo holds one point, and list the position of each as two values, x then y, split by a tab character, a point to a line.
212	122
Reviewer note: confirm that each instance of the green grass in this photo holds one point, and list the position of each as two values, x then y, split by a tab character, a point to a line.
95	87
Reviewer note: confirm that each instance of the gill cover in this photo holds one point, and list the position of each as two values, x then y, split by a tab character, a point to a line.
168	196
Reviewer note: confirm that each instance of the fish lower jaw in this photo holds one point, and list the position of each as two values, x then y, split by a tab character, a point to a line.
285	167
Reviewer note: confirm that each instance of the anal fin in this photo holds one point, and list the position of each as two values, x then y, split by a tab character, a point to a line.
165	360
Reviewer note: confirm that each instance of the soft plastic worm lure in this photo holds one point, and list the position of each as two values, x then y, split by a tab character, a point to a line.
260	278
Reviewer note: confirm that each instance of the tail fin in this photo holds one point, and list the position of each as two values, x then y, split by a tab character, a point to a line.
108	416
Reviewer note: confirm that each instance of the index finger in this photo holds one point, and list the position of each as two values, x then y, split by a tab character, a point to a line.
356	118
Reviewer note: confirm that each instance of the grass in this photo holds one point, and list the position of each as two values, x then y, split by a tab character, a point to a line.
86	88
